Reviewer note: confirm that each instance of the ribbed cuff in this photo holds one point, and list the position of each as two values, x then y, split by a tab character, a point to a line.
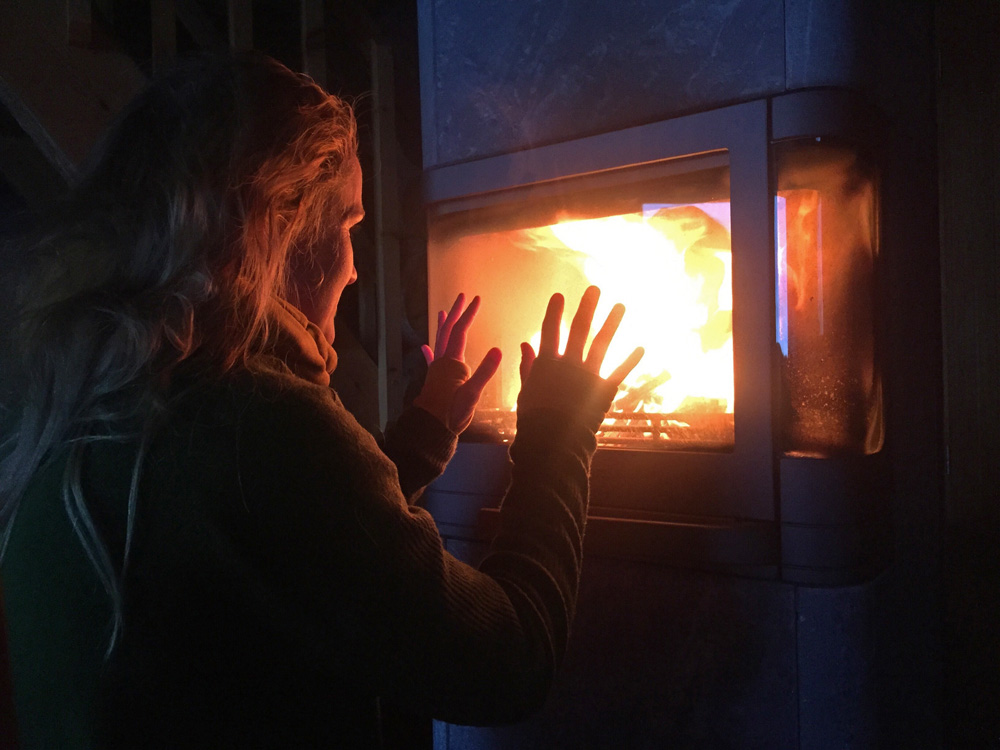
429	432
557	385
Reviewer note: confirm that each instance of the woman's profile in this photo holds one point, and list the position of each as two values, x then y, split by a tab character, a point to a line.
201	546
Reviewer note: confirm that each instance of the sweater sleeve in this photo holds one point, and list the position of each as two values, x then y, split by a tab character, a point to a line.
536	557
420	446
365	585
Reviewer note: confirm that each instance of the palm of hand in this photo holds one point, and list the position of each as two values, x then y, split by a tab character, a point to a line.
452	391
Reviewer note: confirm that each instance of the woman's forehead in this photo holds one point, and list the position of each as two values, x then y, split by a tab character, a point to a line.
355	209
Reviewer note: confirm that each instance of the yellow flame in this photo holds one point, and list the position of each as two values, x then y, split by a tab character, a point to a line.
677	290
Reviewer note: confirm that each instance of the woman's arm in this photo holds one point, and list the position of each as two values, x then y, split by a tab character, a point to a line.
366	581
418	442
420	446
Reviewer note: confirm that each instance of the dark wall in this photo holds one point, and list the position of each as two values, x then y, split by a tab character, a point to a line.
968	112
667	657
503	76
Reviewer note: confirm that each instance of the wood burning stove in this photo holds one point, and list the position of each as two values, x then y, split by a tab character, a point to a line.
743	242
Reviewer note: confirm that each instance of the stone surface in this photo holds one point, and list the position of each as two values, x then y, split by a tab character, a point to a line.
661	657
827	43
672	658
836	664
509	75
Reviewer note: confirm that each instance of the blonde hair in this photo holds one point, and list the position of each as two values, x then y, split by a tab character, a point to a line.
217	178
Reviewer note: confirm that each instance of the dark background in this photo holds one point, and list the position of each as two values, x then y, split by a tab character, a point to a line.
953	698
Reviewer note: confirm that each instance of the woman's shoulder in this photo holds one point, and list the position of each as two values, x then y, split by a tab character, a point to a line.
260	396
274	426
289	437
267	380
261	379
268	397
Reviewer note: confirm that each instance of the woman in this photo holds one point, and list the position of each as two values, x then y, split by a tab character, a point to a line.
202	548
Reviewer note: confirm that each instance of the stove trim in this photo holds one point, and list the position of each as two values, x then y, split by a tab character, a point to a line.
721	511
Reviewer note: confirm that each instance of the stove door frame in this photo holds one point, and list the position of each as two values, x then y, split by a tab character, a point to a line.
711	509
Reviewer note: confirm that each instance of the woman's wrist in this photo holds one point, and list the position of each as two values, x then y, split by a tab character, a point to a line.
557	385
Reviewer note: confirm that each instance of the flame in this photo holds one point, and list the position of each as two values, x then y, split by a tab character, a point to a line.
673	271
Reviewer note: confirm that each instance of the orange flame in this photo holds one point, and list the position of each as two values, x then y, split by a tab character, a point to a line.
673	272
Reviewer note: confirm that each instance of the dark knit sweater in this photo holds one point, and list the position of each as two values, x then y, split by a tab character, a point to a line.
279	580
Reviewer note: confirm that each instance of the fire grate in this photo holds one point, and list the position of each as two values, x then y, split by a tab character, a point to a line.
622	429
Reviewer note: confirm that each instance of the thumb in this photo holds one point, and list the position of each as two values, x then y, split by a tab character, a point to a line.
463	407
444	377
527	360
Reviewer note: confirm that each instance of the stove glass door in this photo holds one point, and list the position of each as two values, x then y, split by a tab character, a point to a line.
655	237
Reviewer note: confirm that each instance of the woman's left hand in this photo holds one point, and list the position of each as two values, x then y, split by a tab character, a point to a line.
451	390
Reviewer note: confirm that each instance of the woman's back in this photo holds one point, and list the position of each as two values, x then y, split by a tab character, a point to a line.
185	493
58	621
211	653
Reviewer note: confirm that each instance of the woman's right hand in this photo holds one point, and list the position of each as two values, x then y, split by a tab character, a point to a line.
548	349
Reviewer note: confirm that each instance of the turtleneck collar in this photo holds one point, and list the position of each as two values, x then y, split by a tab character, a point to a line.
299	343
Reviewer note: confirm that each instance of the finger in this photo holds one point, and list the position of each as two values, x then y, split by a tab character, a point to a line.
527	360
444	330
428	354
549	343
486	370
441	317
463	407
580	328
621	372
460	330
599	346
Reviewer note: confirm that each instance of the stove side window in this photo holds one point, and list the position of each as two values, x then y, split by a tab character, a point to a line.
656	238
826	244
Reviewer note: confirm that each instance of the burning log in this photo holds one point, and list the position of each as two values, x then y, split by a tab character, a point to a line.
638	394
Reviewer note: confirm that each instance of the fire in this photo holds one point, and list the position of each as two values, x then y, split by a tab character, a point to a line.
672	268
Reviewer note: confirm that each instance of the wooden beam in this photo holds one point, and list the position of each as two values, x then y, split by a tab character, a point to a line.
62	96
199	25
358	24
356	380
313	40
163	32
389	293
79	20
240	25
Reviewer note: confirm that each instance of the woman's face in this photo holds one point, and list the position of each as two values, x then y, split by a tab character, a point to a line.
319	288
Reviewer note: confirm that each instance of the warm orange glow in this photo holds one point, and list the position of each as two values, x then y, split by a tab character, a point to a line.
673	272
665	252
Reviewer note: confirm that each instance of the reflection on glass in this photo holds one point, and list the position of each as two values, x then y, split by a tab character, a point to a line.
661	247
826	241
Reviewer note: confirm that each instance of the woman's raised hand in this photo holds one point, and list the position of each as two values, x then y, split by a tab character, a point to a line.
451	390
578	332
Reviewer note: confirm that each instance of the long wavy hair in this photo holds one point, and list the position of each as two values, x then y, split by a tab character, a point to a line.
220	176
